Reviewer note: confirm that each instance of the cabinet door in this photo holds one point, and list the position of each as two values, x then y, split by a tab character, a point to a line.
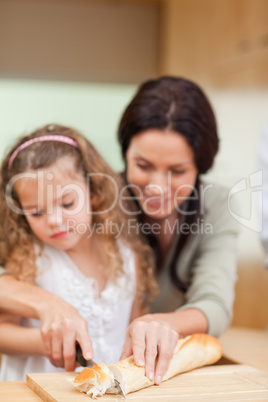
240	48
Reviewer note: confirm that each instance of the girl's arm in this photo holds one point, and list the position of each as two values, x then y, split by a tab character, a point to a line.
16	340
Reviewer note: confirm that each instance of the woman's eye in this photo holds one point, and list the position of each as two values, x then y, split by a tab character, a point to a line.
178	172
143	167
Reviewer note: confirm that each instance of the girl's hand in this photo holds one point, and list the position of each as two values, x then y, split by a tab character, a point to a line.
148	337
61	327
61	324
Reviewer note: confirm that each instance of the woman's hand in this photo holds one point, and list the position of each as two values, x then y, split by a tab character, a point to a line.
61	328
147	337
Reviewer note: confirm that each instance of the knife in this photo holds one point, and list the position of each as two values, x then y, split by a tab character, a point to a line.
80	358
90	363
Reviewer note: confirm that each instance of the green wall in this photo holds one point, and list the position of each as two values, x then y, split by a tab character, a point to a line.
94	109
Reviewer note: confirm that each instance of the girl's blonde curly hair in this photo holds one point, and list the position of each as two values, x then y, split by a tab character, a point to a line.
16	238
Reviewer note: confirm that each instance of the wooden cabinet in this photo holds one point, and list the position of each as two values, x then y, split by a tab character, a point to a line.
223	43
240	51
85	40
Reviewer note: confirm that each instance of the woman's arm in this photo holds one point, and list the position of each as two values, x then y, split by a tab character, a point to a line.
213	268
61	324
137	307
16	340
144	335
208	301
21	298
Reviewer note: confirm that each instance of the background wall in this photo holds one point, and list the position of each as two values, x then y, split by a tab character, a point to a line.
76	62
92	108
85	72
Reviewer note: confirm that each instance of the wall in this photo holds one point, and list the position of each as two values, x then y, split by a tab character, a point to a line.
92	108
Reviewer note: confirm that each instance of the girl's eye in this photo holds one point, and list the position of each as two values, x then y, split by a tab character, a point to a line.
40	212
67	205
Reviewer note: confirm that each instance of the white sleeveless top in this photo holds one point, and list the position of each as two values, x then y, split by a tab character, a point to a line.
107	315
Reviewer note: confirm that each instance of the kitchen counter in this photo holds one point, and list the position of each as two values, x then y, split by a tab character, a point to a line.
17	391
247	346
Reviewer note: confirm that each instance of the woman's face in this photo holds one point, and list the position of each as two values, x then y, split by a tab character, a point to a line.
161	171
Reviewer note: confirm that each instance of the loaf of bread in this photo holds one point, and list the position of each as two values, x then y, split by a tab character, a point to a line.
191	352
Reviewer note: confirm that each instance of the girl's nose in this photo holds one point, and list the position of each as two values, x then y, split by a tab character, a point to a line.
54	217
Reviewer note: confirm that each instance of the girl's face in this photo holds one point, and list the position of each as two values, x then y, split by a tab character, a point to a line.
161	171
56	204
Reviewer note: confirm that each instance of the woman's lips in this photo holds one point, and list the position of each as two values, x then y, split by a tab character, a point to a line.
155	201
59	235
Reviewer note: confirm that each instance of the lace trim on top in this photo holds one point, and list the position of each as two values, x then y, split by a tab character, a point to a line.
97	308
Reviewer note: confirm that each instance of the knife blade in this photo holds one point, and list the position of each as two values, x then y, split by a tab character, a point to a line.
120	389
90	363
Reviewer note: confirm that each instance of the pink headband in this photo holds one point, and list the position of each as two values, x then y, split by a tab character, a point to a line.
58	138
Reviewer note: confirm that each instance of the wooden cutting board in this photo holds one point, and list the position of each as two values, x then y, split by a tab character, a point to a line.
213	383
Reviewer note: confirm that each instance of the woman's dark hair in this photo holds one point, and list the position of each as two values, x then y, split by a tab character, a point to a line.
177	104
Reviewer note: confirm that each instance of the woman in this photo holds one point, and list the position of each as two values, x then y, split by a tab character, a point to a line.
169	138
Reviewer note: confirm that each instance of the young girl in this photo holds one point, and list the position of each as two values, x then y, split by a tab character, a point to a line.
62	227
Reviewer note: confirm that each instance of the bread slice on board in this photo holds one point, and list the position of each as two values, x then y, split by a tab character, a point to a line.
191	352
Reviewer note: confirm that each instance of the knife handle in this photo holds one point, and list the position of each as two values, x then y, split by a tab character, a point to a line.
79	355
80	358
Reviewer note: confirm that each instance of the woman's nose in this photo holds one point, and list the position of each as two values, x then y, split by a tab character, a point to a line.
159	183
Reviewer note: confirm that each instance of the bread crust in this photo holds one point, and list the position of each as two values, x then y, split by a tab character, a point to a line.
86	374
191	352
